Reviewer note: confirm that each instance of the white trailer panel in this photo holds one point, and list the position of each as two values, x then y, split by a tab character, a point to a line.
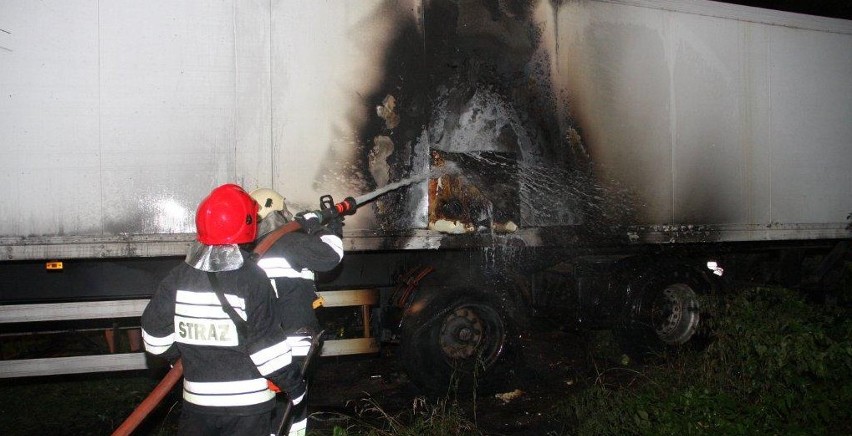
714	115
123	115
167	111
49	159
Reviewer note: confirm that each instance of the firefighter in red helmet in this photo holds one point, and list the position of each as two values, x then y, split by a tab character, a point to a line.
215	312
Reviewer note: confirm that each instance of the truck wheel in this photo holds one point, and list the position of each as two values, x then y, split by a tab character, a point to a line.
453	343
674	314
663	312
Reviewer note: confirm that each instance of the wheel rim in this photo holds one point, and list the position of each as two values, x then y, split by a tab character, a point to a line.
675	314
470	334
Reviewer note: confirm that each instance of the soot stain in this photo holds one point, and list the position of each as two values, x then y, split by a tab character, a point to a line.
444	56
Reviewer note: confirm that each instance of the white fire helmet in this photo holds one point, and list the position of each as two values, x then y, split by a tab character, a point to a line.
269	201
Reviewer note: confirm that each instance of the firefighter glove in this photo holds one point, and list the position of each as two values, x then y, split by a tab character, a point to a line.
309	221
291	382
336	226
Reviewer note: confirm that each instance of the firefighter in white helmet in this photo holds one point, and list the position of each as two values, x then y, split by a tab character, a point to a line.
270	202
290	264
216	312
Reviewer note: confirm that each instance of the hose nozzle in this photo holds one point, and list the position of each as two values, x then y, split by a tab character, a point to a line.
331	210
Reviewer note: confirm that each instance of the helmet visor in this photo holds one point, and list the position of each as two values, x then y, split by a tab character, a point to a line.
214	258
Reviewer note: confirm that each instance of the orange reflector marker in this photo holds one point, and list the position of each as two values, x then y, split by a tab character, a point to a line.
319	302
55	265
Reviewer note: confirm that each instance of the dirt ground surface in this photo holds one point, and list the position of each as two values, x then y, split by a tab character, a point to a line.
545	371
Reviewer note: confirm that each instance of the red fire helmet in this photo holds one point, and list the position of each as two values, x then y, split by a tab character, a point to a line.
227	216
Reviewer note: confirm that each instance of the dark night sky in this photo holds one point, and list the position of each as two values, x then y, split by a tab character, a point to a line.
827	8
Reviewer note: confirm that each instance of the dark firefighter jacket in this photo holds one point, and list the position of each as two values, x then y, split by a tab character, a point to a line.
223	373
290	264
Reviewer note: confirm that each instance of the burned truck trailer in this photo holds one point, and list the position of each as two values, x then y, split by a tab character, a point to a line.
585	161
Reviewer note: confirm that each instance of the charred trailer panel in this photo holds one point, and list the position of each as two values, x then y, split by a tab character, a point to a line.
643	139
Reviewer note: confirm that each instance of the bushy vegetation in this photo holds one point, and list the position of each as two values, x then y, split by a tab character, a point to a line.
776	365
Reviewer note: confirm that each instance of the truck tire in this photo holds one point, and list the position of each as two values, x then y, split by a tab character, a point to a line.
452	344
663	312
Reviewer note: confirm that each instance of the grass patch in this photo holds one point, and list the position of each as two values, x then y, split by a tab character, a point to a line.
776	365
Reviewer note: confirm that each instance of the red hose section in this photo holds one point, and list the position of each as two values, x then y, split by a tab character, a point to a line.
274	235
151	401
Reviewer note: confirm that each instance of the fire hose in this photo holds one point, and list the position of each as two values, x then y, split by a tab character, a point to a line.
328	211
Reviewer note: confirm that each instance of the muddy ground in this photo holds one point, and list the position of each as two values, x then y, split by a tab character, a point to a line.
548	368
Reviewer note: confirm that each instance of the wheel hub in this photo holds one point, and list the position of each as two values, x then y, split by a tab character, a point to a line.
675	314
461	333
